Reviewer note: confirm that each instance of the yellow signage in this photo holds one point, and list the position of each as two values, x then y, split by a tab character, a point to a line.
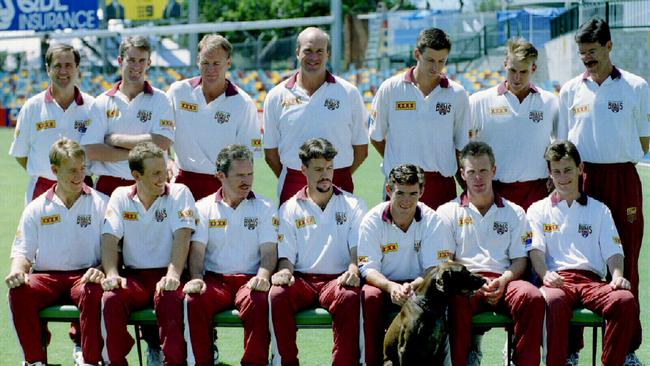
143	9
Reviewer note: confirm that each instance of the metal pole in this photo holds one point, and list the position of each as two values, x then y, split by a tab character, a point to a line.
193	38
336	34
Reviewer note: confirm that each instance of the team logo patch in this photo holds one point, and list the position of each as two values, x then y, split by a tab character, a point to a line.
332	104
649	118
161	215
527	240
536	116
190	107
580	109
131	216
549	228
405	105
256	142
444	254
280	237
19	233
500	227
49	220
112	113
417	245
166	123
443	108
185	214
305	221
251	222
466	220
500	111
45	125
584	230
81	125
275	221
144	116
363	259
17	131
631	214
615	105
389	248
287	102
222	117
217	223
341	218
616	240
84	220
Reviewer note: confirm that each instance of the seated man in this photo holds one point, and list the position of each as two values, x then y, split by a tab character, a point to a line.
398	241
574	243
490	234
155	221
235	244
317	247
55	253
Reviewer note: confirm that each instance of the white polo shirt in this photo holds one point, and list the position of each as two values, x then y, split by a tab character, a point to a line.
148	234
203	129
517	132
41	122
335	112
420	130
149	112
319	241
400	255
487	243
582	236
55	238
605	122
233	237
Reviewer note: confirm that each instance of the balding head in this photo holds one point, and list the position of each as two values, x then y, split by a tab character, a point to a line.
313	35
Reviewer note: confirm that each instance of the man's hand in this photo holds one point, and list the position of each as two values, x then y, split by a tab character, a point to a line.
92	275
349	278
400	293
258	283
16	279
494	290
113	282
195	286
283	277
620	283
167	283
553	279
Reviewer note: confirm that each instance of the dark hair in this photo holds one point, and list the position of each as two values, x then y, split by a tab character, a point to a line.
230	153
142	151
318	148
561	149
475	149
433	38
592	31
140	42
406	174
61	47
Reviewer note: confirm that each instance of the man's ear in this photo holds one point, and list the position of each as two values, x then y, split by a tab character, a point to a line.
136	175
54	168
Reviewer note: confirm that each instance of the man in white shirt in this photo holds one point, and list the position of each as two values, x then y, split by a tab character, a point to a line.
55	256
574	243
232	256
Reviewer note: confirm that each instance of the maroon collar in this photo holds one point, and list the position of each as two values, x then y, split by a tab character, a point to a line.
615	74
291	83
409	77
231	89
302	193
78	98
148	89
49	195
134	191
555	199
218	197
464	200
503	88
387	216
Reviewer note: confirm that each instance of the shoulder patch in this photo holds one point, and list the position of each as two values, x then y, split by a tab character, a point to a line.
166	123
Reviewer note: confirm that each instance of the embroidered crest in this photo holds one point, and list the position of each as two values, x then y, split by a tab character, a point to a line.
536	116
144	116
500	227
584	230
161	215
443	108
341	218
251	222
631	214
81	125
417	245
222	117
332	104
615	106
84	220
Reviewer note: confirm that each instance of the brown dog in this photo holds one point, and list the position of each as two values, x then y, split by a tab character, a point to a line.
418	334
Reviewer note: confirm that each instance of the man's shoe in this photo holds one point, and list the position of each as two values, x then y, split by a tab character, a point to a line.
632	360
77	356
155	357
573	359
475	355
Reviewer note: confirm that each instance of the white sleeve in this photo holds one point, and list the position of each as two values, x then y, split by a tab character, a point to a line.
201	233
249	132
462	122
99	126
369	252
287	241
20	145
185	210
560	129
380	112
610	242
26	239
643	120
437	244
477	117
536	223
163	123
113	220
359	120
520	229
357	212
267	232
272	104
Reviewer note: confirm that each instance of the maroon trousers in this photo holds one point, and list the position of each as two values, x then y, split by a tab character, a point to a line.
295	180
523	194
107	184
201	185
309	290
224	291
48	288
377	306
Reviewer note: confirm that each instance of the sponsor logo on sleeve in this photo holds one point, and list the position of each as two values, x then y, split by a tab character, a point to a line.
112	113
527	240
616	240
615	105
130	216
84	220
305	221
256	142
280	237
550	228
19	234
580	109
584	230
389	248
190	107
166	123
275	221
500	111
332	104
45	125
536	116
186	214
363	259
17	131
501	227
405	105
444	255
217	223
49	220
443	108
648	117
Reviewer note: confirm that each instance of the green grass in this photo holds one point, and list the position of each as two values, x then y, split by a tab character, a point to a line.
314	345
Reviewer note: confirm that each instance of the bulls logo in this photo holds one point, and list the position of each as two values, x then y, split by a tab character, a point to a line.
443	108
222	117
332	104
417	245
161	215
84	220
536	116
81	125
584	230
341	218
615	106
144	116
251	222
500	227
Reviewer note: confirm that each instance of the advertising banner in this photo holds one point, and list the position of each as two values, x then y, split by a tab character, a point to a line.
47	15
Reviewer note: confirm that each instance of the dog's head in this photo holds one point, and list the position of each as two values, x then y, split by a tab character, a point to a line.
453	278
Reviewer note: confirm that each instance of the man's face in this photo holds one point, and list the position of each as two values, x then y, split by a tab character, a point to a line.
594	56
478	172
214	64
431	61
565	175
239	181
152	181
134	65
70	174
319	174
63	70
518	74
403	198
312	53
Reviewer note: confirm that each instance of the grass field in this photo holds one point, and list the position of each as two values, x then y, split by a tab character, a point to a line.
315	345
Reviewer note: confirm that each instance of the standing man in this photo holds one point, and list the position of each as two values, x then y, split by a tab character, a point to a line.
61	110
399	241
211	112
607	111
232	257
155	221
518	120
490	235
574	244
421	117
55	256
317	246
130	113
313	103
